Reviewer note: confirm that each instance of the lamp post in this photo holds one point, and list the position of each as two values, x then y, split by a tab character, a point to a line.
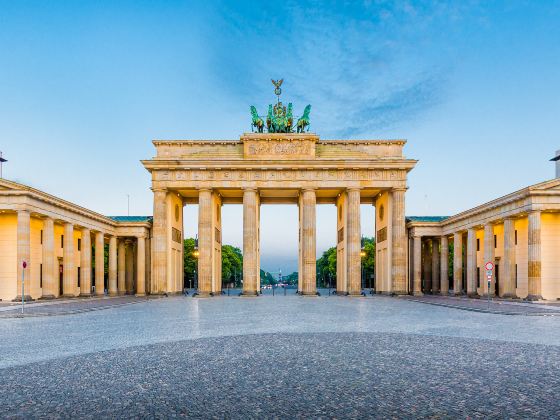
362	255
195	255
2	160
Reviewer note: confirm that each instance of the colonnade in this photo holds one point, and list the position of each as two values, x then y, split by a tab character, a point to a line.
349	280
127	261
430	260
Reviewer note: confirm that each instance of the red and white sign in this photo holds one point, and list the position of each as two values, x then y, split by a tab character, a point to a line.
489	277
25	264
489	265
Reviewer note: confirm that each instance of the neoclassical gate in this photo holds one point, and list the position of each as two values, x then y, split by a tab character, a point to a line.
263	168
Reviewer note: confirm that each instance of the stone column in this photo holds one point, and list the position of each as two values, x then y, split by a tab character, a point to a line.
534	256
113	290
309	285
23	253
205	242
471	263
148	262
457	263
488	256
353	242
250	242
444	266
508	265
49	266
121	268
129	267
99	264
85	263
399	242
427	265
159	242
141	268
435	266
69	276
417	262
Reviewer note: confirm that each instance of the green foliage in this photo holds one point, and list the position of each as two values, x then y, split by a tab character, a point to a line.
267	278
326	267
291	279
190	262
232	265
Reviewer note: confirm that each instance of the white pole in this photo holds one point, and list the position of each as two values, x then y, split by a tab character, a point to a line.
23	288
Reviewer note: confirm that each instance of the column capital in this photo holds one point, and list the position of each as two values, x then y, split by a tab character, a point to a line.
204	189
309	189
353	188
254	189
159	189
399	189
85	229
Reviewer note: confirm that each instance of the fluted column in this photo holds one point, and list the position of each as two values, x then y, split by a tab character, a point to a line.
23	253
85	263
399	242
121	268
471	262
148	263
250	242
417	262
308	227
534	256
353	242
508	265
141	268
457	263
113	290
444	266
427	265
129	267
205	242
49	266
69	275
159	242
99	264
489	256
435	266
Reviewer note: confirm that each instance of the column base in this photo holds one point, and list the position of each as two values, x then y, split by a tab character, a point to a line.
100	294
67	296
113	293
473	295
26	298
400	293
509	296
417	294
47	297
309	294
85	295
249	294
533	298
199	294
140	294
383	292
444	293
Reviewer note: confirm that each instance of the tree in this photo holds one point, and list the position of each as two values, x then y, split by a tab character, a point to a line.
190	262
232	265
326	267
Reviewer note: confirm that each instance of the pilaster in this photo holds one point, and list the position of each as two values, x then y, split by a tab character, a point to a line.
398	228
113	289
444	266
121	263
250	245
69	275
23	254
457	263
435	266
508	271
99	264
49	266
353	242
417	262
141	269
471	263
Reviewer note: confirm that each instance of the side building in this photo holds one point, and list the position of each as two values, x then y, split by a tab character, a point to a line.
519	233
65	246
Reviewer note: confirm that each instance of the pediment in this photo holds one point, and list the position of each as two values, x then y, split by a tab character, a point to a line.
551	185
8	185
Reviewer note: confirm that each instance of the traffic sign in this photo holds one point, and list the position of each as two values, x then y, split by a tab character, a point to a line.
25	264
489	265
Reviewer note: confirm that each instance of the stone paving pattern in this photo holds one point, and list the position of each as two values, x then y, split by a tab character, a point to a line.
282	356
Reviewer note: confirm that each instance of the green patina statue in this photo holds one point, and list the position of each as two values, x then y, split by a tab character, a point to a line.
303	122
280	119
258	122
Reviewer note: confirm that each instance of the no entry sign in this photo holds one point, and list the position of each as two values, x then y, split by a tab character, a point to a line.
489	266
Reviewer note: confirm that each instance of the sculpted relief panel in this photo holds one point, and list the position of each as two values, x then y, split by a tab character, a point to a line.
281	175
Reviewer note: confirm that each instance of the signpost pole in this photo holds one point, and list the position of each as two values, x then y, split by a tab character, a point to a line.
489	268
23	287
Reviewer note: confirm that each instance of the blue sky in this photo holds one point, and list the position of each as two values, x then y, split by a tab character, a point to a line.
473	86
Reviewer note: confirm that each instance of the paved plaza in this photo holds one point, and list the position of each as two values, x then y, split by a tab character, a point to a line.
279	356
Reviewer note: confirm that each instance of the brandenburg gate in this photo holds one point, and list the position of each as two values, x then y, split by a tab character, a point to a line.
279	166
263	168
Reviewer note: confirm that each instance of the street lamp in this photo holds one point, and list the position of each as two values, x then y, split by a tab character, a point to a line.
196	255
362	255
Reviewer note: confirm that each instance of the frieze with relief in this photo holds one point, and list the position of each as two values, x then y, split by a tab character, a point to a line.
280	175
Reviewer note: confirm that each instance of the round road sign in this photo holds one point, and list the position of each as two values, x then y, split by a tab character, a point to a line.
489	265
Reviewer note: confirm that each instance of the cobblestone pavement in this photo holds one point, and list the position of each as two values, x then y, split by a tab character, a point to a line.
281	356
67	306
497	306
